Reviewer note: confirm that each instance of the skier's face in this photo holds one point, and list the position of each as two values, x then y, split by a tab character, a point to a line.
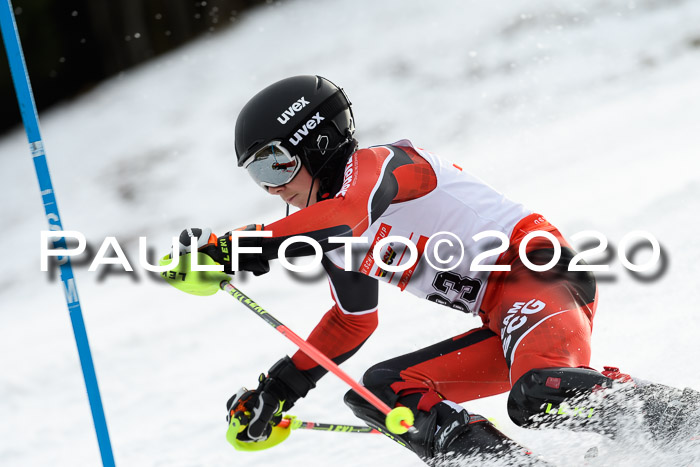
296	192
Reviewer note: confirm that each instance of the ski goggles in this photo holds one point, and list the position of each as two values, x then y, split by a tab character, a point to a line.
272	165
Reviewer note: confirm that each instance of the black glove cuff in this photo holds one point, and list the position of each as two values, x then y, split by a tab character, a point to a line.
252	262
287	382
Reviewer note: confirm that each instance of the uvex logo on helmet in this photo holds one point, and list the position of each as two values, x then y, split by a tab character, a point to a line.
303	131
292	110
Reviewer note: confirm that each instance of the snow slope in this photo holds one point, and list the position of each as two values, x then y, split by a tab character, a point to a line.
585	111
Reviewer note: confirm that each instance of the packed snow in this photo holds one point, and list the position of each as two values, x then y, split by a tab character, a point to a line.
587	112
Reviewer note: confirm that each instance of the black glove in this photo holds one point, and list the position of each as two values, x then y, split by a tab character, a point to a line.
262	408
217	248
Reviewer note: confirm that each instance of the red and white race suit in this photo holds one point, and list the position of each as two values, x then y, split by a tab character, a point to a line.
411	195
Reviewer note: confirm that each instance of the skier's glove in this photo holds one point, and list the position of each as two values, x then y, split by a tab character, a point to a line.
210	250
182	276
217	248
253	415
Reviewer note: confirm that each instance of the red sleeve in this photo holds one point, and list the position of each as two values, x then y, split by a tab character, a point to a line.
345	327
338	335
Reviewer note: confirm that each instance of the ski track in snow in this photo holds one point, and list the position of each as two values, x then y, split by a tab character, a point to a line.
585	111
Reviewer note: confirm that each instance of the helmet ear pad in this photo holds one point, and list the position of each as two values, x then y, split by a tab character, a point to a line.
344	123
327	142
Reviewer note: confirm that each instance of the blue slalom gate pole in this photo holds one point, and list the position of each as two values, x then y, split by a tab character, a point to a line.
20	77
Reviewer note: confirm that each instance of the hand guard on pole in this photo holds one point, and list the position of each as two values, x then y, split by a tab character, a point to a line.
257	411
210	250
183	276
253	416
208	243
218	248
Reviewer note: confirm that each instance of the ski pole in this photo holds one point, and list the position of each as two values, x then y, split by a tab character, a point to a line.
398	420
301	425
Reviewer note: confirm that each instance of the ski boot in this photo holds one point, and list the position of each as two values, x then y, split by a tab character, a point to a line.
461	436
609	403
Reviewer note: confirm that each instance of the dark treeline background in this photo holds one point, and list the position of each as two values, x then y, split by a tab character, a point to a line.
70	45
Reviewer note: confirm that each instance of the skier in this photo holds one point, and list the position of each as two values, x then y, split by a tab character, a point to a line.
295	139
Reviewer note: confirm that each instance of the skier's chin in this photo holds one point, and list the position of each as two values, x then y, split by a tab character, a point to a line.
293	201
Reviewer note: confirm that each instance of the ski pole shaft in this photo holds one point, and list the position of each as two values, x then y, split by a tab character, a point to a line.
313	353
301	425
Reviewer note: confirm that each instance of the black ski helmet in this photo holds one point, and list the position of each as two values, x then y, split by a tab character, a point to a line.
311	118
